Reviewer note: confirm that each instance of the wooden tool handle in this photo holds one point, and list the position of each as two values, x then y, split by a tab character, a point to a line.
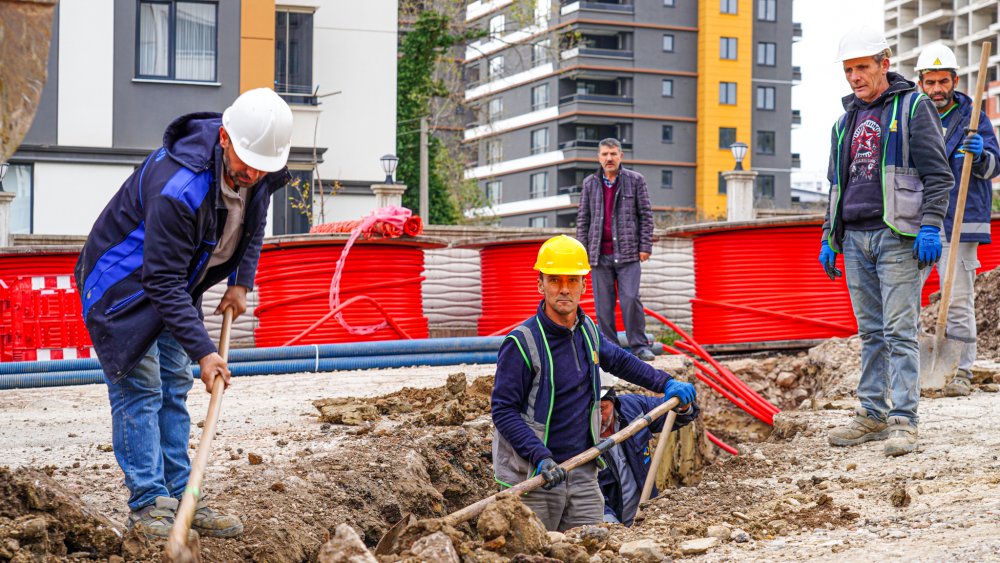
963	191
658	455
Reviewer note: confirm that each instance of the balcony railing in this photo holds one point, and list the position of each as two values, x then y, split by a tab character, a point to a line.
796	74
600	98
796	31
595	52
588	144
297	93
607	7
796	117
796	160
564	190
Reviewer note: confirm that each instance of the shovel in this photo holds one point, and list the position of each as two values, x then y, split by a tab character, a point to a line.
177	549
658	455
387	545
939	355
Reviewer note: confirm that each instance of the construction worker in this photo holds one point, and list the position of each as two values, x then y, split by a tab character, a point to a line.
627	464
614	222
547	388
191	216
885	215
937	69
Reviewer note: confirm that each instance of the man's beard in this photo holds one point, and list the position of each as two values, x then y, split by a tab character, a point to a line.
946	101
236	181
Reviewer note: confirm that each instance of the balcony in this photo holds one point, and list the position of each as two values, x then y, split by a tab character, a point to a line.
796	160
617	7
297	93
569	190
796	31
597	52
596	98
587	144
796	117
796	74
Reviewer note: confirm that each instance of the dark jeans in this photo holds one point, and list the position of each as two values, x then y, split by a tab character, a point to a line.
604	276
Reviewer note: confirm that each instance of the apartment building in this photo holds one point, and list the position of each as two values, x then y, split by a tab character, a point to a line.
676	82
120	71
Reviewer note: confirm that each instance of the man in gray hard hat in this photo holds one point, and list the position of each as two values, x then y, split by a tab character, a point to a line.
889	183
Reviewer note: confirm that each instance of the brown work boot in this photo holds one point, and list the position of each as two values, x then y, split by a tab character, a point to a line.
209	523
861	429
154	521
902	436
960	386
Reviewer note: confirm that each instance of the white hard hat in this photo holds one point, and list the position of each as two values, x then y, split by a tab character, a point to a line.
861	42
936	57
608	382
259	123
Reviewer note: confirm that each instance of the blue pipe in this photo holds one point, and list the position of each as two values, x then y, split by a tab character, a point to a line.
274	367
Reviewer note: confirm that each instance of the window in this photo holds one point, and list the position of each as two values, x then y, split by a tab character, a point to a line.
727	136
538	222
287	215
766	53
494	151
727	48
539	185
494	109
669	3
540	52
540	97
727	93
722	184
727	7
668	43
494	191
667	88
539	141
497	24
765	97
293	56
496	67
667	134
19	181
765	142
767	10
177	40
667	179
765	187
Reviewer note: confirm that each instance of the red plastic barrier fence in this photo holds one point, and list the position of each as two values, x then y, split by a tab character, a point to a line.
40	319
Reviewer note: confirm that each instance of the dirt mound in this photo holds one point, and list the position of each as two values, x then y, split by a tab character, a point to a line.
39	518
987	314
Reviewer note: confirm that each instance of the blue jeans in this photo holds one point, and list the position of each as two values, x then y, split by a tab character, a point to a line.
150	423
884	283
607	277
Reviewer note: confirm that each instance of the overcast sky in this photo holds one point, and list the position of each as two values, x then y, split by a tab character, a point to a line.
818	95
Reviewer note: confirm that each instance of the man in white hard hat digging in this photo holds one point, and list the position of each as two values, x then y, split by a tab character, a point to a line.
889	183
937	69
191	216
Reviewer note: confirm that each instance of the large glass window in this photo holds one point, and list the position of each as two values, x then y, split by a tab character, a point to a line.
765	186
765	97
293	56
540	52
668	43
766	53
765	142
494	192
20	181
494	151
538	222
667	179
767	10
727	7
540	97
177	40
494	109
727	48
727	136
539	141
496	67
667	134
539	185
667	88
727	93
497	24
287	211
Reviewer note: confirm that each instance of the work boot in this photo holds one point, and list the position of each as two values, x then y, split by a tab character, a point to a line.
646	355
209	523
960	386
902	436
154	521
862	428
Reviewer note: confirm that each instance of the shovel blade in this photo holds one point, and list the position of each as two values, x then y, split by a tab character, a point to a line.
387	544
939	359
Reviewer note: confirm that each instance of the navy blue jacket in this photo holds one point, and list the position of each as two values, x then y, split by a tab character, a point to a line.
636	449
143	267
979	201
576	393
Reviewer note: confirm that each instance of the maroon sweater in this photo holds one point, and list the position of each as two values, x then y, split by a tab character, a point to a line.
607	236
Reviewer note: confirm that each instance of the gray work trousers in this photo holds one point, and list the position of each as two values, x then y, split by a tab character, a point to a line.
962	310
577	501
604	276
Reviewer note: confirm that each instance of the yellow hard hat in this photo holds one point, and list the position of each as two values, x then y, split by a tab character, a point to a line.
562	256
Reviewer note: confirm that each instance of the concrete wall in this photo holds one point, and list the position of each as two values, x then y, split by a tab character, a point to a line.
69	197
86	68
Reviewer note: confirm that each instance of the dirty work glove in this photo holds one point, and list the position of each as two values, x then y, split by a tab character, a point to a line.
828	258
973	144
679	389
552	473
927	248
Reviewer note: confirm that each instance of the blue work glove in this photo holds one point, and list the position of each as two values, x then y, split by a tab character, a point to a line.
552	473
679	389
828	258
927	248
973	144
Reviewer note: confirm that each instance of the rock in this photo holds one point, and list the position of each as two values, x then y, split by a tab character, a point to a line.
456	384
569	553
990	387
897	534
800	395
435	547
899	497
786	379
721	532
525	533
492	524
701	545
105	448
495	544
556	537
645	550
777	525
525	558
740	536
592	538
741	516
345	547
852	466
344	411
769	364
254	459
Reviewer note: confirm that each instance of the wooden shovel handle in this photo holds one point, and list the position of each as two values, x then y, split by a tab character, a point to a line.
658	455
185	513
963	191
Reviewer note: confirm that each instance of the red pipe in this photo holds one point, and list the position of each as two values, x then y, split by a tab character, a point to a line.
721	444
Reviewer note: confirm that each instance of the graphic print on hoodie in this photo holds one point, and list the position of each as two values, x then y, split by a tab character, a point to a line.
863	196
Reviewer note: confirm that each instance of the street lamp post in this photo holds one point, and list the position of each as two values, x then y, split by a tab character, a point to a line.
389	162
739	187
389	192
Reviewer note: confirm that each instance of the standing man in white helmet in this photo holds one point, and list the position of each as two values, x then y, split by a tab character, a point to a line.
191	216
937	70
889	183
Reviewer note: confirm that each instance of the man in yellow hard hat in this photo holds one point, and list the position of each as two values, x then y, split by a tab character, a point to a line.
546	394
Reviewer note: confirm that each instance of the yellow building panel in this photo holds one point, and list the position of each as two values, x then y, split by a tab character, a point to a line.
256	44
712	70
